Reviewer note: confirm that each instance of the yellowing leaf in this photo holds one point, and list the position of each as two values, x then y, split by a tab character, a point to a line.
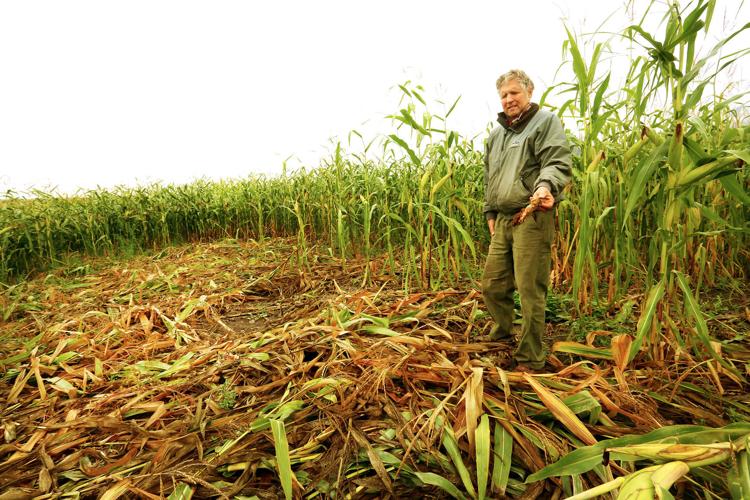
561	411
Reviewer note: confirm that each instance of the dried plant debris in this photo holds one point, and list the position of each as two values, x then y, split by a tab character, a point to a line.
237	369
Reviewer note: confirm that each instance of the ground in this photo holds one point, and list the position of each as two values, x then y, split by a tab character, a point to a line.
167	371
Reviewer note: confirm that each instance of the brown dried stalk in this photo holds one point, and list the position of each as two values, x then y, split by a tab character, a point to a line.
529	209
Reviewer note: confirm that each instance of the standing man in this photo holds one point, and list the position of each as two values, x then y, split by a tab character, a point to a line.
527	157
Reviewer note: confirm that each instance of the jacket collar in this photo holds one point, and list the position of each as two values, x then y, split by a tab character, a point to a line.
520	121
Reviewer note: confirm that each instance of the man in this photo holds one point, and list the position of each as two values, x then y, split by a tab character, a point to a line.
527	158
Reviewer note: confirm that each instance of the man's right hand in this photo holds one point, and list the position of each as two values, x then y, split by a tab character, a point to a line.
491	225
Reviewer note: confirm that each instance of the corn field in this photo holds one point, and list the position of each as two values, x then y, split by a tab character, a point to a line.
379	252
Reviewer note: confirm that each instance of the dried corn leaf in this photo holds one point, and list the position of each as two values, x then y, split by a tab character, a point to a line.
561	412
473	399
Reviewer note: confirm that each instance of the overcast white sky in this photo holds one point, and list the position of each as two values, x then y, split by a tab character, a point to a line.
101	93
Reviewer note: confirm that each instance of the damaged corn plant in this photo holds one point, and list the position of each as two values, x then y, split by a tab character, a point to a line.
323	336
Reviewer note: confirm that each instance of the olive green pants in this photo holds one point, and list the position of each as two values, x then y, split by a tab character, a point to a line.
519	258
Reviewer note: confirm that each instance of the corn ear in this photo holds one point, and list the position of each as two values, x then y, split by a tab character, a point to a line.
666	475
598	490
652	482
667	452
635	148
676	147
598	158
710	170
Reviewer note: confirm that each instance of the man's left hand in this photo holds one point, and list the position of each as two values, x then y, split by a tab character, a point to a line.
546	200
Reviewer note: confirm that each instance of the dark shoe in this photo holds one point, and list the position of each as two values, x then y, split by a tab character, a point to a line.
553	363
526	368
497	336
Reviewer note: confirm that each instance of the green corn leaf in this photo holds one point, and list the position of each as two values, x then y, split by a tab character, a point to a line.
181	492
148	366
733	186
179	365
418	95
381	330
454	452
604	215
404	224
647	315
691	26
189	307
582	350
483	445
586	458
414	158
404	89
231	443
65	357
700	323
642	174
579	68
591	74
450	221
15	359
579	402
436	480
282	456
598	97
742	154
739	477
284	411
577	462
391	459
503	450
691	434
409	120
452	107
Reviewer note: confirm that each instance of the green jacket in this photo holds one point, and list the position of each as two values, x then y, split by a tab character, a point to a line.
521	157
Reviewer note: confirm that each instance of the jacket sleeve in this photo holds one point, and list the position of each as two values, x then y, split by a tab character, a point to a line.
553	154
489	213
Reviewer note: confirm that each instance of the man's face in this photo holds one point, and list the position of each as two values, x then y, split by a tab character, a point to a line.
514	98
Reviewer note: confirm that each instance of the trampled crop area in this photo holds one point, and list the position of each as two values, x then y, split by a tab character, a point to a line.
226	369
